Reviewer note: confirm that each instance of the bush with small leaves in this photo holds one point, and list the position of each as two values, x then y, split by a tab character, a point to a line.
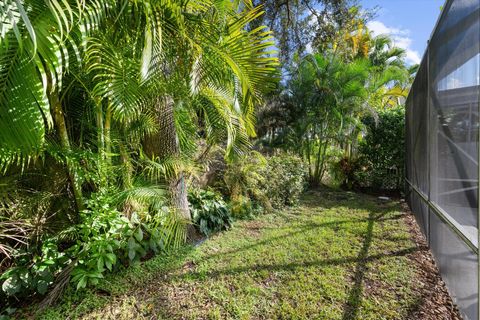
256	182
382	152
286	179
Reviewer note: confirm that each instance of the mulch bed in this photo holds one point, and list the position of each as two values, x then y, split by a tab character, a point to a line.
435	303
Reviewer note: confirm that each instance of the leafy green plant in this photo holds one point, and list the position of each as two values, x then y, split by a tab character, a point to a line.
382	151
107	237
257	183
104	238
285	179
33	274
245	180
345	172
209	212
243	207
101	232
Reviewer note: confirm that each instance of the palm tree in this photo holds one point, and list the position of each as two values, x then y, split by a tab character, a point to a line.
203	69
327	92
149	74
36	50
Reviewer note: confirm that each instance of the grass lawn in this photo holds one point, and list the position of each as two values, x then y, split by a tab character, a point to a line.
336	256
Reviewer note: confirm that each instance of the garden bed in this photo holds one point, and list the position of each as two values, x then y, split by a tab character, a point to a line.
336	256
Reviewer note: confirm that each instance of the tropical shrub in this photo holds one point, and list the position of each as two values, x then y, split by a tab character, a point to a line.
33	274
106	237
244	180
333	176
285	179
242	207
210	213
382	151
257	183
344	172
103	239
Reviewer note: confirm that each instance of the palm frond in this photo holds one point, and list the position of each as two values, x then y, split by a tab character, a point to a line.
35	43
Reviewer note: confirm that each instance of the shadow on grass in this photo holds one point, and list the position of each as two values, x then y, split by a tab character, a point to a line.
355	297
379	212
360	270
153	278
361	259
299	229
331	199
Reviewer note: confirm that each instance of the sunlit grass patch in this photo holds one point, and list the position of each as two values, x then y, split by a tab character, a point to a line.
336	256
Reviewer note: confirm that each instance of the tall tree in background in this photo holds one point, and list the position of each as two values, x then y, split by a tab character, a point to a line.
299	23
327	94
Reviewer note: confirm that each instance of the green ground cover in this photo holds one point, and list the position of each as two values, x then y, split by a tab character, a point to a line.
335	256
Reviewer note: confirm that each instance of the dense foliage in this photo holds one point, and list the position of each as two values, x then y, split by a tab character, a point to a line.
286	179
260	183
126	124
105	107
103	240
382	151
210	213
318	113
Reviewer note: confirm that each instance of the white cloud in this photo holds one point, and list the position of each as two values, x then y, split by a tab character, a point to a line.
400	38
413	57
309	48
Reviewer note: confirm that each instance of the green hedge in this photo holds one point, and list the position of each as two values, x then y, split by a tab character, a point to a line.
382	151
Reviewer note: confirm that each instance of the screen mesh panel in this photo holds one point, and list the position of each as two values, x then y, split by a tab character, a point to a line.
442	149
420	131
458	266
454	91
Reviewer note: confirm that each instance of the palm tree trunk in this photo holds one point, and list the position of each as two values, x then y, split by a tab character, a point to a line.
309	160
178	191
59	120
101	142
127	171
107	128
316	170
100	130
318	162
127	166
165	145
322	164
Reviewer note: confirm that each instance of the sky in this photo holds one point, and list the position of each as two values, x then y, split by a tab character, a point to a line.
409	22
